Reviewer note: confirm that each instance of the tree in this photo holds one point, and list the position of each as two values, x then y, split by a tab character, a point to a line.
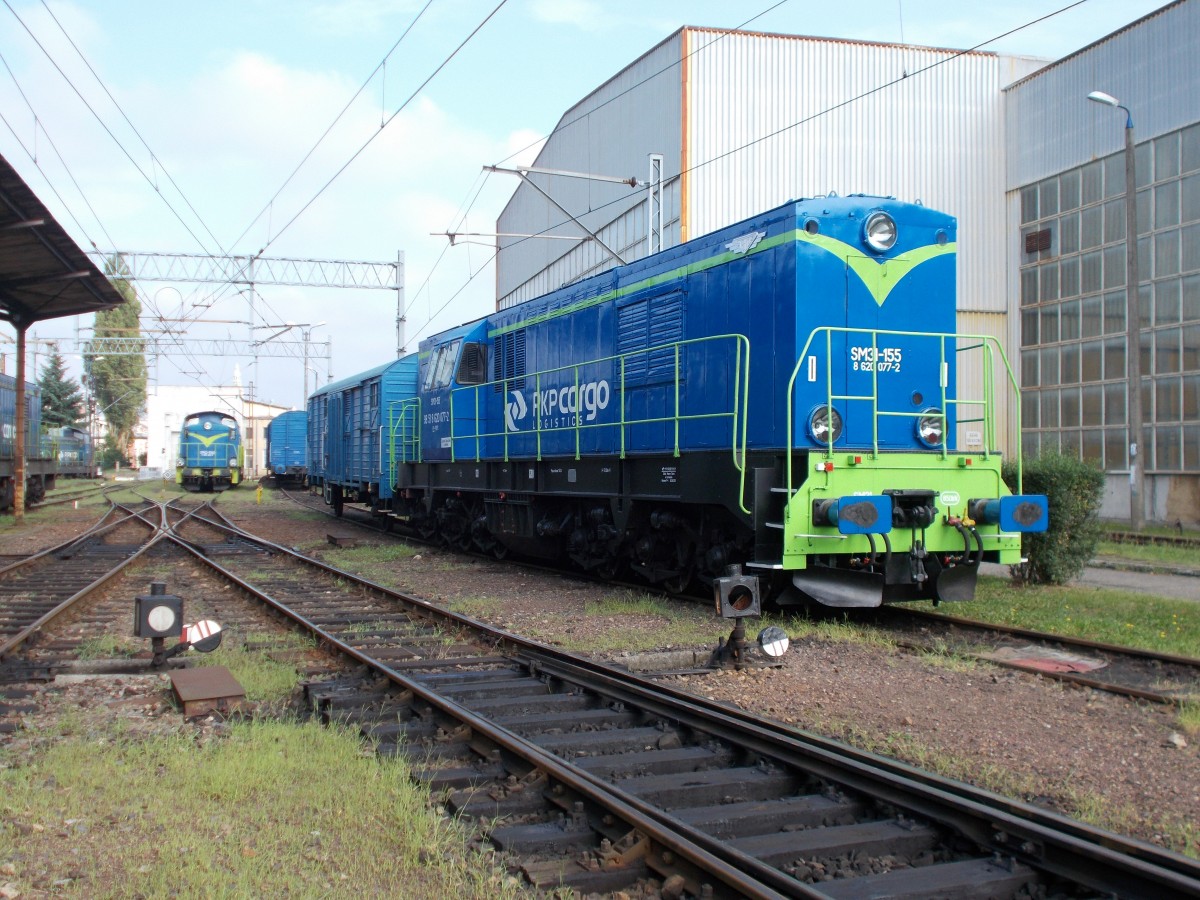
62	401
119	379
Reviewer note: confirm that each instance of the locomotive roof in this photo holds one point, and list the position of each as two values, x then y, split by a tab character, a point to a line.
708	249
43	272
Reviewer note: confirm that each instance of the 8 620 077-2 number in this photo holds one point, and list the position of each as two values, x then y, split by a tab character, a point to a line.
875	359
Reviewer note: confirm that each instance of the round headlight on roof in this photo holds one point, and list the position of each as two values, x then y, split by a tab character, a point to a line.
879	231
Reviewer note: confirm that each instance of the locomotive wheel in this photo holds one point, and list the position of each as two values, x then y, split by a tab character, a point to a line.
678	583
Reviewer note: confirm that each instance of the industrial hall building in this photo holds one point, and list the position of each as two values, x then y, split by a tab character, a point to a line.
710	127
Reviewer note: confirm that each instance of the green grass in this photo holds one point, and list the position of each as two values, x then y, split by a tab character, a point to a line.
376	564
1154	554
628	602
264	679
1189	719
1100	614
99	815
107	646
476	607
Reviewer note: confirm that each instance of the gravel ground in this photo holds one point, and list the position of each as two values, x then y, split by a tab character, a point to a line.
1125	765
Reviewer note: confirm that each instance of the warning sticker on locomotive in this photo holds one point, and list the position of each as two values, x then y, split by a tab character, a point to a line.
875	359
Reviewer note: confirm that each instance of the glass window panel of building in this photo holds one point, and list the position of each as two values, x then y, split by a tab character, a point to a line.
1074	317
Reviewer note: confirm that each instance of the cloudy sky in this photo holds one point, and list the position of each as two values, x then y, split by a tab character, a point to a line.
354	129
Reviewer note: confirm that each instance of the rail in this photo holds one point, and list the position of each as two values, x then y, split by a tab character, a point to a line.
988	346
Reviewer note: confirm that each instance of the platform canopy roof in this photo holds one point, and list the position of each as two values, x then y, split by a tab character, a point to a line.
43	273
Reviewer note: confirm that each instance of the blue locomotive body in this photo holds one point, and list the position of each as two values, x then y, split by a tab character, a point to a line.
40	465
73	449
287	450
780	394
347	421
210	452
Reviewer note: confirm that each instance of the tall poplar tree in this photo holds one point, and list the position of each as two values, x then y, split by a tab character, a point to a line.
62	401
117	369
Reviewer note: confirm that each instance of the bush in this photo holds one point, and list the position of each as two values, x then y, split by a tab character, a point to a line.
1074	490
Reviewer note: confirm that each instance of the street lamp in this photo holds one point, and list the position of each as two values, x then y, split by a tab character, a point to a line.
1133	321
307	333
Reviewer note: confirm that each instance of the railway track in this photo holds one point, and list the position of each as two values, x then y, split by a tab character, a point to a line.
1140	674
595	779
76	492
1128	671
1143	538
36	589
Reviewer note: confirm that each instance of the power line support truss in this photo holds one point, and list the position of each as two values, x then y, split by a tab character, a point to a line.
654	206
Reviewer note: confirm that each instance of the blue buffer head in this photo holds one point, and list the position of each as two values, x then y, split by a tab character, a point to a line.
1019	513
862	515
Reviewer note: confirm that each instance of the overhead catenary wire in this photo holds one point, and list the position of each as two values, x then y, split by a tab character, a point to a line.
751	143
460	218
358	152
39	122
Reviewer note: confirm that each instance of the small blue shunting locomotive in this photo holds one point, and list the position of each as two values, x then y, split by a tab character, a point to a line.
780	396
210	452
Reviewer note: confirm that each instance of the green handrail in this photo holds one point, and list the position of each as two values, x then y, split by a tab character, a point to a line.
989	347
739	400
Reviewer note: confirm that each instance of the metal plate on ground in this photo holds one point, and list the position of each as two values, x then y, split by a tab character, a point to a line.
207	689
1045	659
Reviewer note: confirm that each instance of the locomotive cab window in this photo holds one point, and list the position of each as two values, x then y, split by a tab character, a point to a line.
472	368
441	365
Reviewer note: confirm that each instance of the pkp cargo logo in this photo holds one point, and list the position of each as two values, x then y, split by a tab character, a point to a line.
559	407
515	410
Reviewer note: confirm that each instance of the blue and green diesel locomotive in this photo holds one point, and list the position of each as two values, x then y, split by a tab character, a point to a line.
210	452
782	395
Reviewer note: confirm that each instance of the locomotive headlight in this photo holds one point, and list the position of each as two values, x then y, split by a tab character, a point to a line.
880	232
825	425
931	427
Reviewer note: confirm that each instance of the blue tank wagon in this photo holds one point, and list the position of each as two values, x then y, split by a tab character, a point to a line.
287	447
210	452
40	465
780	395
347	423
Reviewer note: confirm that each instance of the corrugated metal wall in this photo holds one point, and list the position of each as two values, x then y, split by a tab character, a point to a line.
611	132
774	117
1052	129
1150	66
753	120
